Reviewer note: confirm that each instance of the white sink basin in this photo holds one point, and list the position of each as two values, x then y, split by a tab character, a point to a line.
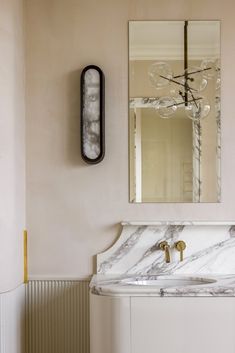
168	281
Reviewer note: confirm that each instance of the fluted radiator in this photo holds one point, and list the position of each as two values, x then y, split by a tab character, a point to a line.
57	316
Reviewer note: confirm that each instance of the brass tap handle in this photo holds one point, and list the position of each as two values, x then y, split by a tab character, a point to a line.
180	246
164	246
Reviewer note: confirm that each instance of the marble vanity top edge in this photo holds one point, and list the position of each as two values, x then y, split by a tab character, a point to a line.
223	286
176	222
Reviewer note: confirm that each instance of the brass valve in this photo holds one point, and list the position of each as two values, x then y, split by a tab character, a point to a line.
181	246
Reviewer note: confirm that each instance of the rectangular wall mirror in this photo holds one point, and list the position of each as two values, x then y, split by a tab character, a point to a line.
174	111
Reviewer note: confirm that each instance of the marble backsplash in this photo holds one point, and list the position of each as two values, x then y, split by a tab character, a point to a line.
210	249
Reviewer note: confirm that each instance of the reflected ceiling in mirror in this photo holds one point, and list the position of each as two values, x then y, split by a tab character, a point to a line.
174	111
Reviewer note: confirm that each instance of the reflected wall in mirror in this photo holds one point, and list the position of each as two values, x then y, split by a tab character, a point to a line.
174	111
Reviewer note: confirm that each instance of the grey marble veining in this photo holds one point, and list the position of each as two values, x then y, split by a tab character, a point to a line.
220	286
146	102
171	235
197	154
210	252
91	128
123	250
210	249
218	148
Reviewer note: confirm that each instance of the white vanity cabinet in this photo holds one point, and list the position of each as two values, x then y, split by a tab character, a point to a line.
182	325
132	324
110	324
141	304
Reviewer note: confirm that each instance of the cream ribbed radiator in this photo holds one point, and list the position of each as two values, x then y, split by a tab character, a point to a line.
57	316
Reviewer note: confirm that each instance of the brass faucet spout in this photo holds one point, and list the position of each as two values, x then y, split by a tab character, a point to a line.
166	248
167	254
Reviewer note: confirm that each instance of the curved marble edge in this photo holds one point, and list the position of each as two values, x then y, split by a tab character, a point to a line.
136	250
121	246
195	223
224	286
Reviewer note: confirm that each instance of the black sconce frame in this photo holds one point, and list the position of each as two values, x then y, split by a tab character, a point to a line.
101	98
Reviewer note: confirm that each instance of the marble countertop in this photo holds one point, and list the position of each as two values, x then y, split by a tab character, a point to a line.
209	254
113	285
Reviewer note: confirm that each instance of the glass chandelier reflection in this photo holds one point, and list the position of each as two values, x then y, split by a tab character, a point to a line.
185	89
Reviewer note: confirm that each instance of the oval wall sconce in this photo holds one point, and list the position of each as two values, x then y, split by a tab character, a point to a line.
92	114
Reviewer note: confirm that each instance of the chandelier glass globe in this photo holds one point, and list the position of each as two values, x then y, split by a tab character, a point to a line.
194	79
160	74
198	108
210	68
166	107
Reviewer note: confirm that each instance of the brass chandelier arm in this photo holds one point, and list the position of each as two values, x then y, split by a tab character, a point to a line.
194	99
183	102
186	62
176	82
189	83
187	88
194	72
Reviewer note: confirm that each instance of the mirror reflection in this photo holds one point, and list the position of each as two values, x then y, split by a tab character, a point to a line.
174	111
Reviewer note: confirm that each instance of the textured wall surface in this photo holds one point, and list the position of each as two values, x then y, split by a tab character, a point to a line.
73	209
12	144
12	321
